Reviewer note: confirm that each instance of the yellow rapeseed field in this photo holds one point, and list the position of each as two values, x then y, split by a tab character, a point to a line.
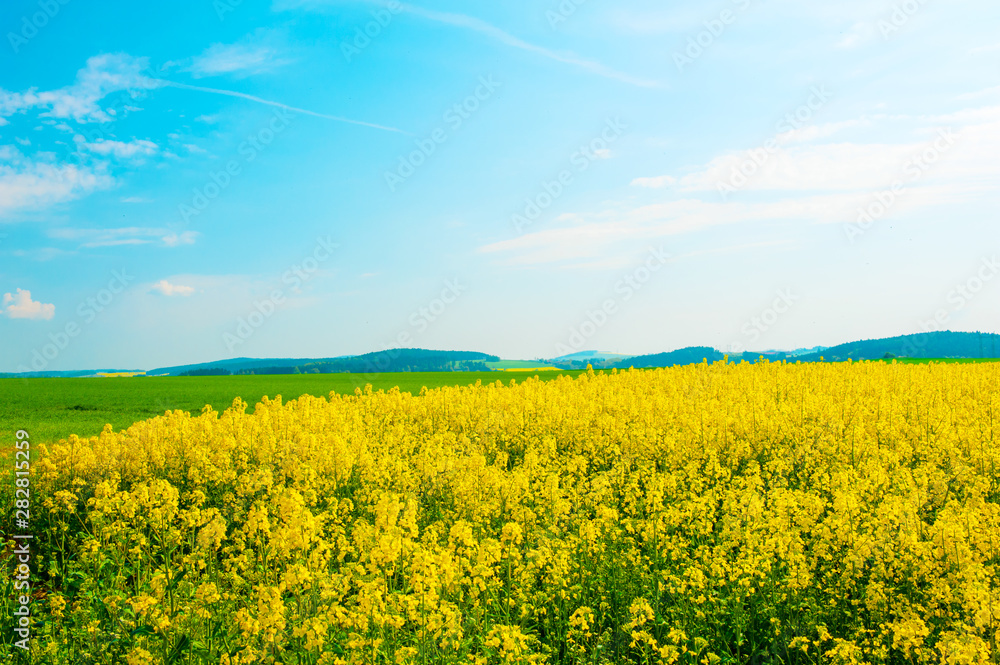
768	513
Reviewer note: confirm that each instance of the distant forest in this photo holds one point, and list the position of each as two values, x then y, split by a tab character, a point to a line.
944	344
395	360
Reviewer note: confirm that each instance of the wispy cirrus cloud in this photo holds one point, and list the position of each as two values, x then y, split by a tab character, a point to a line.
118	149
805	181
109	73
803	163
257	53
616	230
131	235
238	59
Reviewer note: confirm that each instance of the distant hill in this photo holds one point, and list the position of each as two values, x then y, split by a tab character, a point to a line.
588	355
235	365
405	360
794	353
581	359
686	356
392	360
943	344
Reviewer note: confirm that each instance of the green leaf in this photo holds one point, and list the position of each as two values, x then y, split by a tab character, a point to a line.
173	583
143	631
182	645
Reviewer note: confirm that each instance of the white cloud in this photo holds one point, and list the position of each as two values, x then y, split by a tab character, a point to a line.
255	54
800	183
34	184
809	165
813	132
796	165
119	149
240	59
617	230
183	238
131	235
40	181
166	288
835	166
21	306
109	73
102	76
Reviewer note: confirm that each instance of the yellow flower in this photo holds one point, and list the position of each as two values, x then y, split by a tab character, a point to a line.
57	604
212	534
141	604
139	656
614	515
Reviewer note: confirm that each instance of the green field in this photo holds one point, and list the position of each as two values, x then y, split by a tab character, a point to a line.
52	409
517	364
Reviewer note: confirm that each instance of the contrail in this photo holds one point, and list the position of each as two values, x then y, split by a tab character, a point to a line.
480	26
268	102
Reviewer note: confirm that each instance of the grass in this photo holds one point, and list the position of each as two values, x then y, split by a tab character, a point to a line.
518	364
52	409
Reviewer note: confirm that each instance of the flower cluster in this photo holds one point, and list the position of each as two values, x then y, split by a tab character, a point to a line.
796	513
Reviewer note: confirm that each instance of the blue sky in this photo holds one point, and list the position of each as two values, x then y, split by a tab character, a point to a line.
194	181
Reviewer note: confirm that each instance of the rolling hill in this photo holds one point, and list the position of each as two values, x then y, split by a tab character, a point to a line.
943	344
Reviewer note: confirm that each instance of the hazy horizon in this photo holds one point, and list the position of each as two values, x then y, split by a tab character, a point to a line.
267	180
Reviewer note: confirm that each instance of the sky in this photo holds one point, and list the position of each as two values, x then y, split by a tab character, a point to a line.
198	180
